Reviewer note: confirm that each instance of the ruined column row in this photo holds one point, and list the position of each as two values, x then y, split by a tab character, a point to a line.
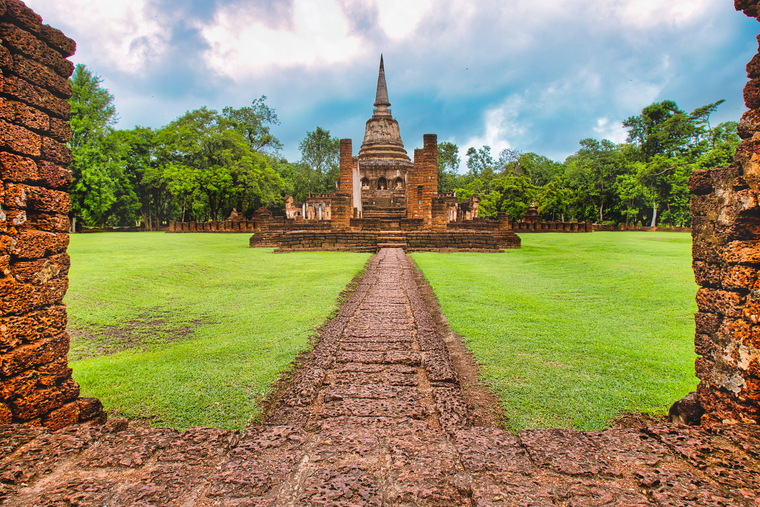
726	229
36	386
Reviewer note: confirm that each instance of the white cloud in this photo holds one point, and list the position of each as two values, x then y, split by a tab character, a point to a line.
501	126
646	13
612	130
398	18
241	47
116	31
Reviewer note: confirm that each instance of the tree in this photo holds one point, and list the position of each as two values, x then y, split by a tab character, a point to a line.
226	171
146	174
92	109
541	170
630	192
96	166
595	167
254	122
480	162
515	194
448	165
554	198
661	128
320	154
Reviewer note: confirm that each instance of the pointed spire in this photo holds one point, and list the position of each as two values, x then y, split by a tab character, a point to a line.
381	97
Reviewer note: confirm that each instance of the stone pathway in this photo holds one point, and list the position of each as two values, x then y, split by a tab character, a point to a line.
376	417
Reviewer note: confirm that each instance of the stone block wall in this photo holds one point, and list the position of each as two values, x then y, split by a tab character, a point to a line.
461	241
440	210
36	386
346	181
213	226
726	252
422	181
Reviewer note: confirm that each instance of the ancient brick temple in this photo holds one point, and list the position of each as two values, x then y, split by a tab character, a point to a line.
383	198
383	182
726	249
36	387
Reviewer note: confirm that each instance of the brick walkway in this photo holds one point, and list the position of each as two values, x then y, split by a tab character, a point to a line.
376	417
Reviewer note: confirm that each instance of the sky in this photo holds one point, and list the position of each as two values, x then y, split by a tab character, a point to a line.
532	76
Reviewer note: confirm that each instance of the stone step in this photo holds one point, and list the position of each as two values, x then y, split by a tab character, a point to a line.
391	245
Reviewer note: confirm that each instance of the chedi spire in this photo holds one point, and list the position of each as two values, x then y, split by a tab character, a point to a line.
381	97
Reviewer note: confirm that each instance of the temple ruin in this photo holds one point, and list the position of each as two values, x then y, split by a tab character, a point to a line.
384	198
36	387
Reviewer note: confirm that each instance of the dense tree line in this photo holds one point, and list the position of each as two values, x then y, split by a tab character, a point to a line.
199	167
205	163
640	181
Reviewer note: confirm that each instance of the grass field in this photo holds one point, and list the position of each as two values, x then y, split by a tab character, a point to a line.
575	329
192	329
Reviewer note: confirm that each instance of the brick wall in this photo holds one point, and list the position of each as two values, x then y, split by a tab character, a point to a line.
726	252
213	226
346	182
367	241
461	241
440	213
342	211
36	386
422	181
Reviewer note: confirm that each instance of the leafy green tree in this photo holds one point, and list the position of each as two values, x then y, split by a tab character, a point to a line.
320	155
554	199
594	167
92	111
254	124
146	174
225	170
661	128
541	170
723	140
100	189
630	193
515	194
448	165
480	163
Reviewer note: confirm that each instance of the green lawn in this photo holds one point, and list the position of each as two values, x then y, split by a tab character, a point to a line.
192	329
575	329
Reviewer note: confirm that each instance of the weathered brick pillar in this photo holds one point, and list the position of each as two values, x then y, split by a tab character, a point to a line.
429	176
346	182
505	224
726	251
342	211
36	386
415	188
440	212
